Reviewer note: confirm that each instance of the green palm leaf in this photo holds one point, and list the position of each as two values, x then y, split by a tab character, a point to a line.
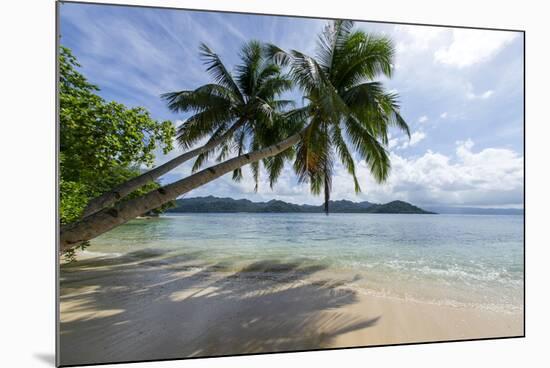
218	71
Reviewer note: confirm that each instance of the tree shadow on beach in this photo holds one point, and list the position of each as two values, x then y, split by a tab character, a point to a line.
154	305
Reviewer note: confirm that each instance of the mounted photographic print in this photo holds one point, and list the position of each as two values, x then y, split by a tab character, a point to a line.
236	183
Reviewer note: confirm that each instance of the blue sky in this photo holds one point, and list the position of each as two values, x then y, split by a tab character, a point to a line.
461	92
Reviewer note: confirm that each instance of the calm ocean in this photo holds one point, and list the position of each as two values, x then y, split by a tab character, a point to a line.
460	260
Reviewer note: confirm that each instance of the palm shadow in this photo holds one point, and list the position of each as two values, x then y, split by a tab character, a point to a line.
161	306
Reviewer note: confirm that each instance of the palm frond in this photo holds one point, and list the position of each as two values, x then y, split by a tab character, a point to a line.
248	72
345	155
218	71
307	73
274	166
237	175
255	166
331	41
273	87
374	153
205	156
268	70
365	57
390	105
201	125
199	99
224	152
282	106
201	159
377	109
277	55
298	117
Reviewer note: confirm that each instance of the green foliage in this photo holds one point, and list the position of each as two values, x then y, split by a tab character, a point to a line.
73	198
102	143
96	135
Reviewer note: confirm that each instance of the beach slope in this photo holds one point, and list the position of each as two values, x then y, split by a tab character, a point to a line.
146	305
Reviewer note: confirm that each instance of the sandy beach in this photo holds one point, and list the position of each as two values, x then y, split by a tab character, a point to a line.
145	305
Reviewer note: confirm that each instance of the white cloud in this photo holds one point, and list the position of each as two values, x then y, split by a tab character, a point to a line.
471	46
470	95
423	119
483	96
416	137
490	177
467	145
228	26
392	143
443	115
487	94
416	38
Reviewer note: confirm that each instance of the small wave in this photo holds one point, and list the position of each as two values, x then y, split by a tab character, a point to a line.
89	254
449	272
505	308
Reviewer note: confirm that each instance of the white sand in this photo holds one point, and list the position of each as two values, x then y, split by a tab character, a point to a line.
145	307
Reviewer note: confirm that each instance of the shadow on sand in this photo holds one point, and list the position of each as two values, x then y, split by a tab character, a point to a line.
150	305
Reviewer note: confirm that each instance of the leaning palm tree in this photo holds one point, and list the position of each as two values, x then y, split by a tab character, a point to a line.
346	106
342	95
224	110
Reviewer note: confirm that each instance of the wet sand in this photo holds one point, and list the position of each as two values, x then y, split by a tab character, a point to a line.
149	305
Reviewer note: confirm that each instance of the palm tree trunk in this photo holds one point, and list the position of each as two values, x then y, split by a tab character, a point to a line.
327	193
109	198
108	218
326	174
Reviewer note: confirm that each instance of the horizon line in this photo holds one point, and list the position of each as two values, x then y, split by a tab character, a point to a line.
480	207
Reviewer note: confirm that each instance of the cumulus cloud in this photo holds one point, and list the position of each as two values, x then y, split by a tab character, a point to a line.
470	95
483	96
423	119
472	46
417	38
487	94
417	137
393	142
489	177
443	115
404	142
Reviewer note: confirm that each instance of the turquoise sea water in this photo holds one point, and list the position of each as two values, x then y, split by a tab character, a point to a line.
458	260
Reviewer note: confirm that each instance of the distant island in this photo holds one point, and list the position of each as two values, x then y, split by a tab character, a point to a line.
230	205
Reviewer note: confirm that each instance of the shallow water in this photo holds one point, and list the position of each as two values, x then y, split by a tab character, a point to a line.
460	260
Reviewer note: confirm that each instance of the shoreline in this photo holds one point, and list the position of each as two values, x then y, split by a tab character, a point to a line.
354	280
148	306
